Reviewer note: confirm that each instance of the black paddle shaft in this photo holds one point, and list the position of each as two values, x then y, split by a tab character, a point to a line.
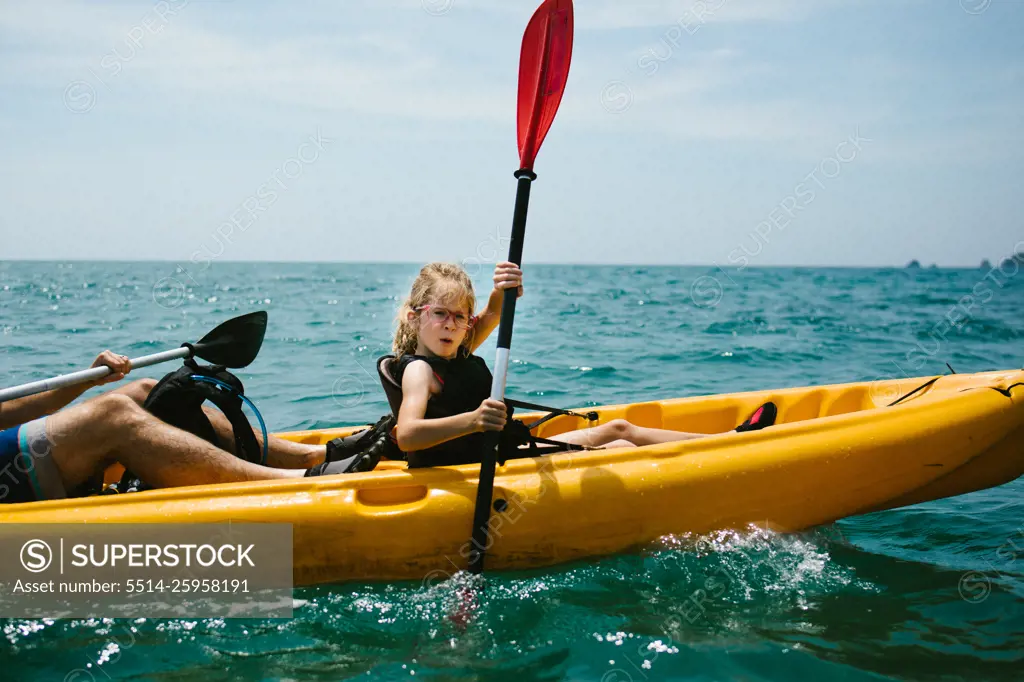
485	488
515	254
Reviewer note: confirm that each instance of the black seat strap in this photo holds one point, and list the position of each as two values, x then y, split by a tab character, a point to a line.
552	412
919	388
246	445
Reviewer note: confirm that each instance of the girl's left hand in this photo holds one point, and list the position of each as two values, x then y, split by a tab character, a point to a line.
508	276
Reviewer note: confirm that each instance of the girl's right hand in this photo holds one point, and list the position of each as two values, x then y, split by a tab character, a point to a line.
508	276
490	416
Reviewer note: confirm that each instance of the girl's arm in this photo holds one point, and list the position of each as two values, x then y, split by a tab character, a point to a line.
23	410
506	276
416	433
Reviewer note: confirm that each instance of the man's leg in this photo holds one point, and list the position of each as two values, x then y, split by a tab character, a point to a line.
89	437
281	453
137	390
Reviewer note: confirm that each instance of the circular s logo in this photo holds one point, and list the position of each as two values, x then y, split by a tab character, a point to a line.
36	556
706	292
169	293
437	8
435	577
79	97
348	390
974	587
884	390
975	6
616	97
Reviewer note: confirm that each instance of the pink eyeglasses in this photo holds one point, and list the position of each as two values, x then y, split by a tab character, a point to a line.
439	315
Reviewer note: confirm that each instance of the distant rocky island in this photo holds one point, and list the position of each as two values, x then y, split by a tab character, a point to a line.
986	264
1017	258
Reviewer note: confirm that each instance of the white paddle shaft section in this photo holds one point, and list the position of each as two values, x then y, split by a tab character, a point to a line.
500	374
86	375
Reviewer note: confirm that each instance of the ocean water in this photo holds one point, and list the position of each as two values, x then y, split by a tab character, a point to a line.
931	592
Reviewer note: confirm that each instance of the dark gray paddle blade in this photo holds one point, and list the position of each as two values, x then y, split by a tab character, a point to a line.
234	343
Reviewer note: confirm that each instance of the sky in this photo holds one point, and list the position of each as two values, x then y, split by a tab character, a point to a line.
728	132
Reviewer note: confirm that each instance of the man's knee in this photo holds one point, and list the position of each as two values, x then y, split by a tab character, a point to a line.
118	409
85	436
138	390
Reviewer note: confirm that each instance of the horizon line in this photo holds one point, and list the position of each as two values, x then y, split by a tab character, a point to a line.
906	266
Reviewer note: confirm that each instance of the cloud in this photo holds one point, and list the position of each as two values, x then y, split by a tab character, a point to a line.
391	58
337	65
370	72
610	15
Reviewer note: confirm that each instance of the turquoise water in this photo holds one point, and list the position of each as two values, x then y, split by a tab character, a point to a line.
932	592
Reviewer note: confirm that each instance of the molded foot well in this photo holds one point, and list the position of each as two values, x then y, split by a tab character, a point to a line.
801	409
706	418
850	400
645	414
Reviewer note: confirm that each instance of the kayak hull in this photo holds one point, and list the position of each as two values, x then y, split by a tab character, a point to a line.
837	451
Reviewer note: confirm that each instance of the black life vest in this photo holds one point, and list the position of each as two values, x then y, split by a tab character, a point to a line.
178	400
465	383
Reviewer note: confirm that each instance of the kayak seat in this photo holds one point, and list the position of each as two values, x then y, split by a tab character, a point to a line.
392	389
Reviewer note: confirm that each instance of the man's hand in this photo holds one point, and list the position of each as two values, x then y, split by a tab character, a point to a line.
24	410
119	364
508	276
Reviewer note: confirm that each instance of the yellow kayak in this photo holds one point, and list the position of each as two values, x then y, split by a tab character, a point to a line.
836	451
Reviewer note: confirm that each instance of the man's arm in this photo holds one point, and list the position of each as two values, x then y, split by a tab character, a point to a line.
22	410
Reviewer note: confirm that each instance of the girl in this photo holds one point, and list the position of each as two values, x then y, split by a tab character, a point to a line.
446	404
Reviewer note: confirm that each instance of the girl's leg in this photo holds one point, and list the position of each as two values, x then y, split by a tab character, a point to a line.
620	429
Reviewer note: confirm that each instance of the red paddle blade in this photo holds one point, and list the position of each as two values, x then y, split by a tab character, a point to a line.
543	71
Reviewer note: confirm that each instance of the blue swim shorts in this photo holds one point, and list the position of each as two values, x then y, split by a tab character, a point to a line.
27	470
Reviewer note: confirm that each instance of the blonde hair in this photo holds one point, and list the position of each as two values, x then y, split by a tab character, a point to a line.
446	283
